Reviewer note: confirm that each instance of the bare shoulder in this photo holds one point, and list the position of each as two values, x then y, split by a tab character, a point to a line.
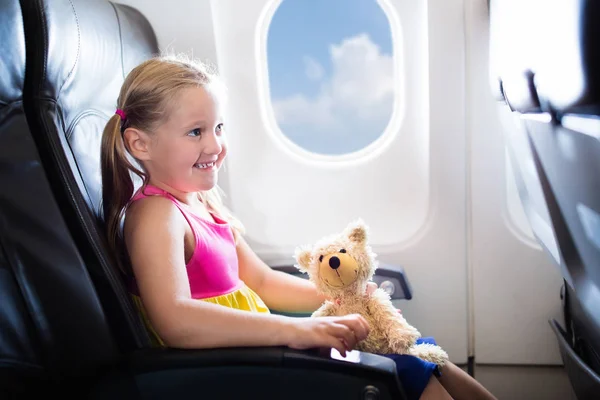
150	213
153	224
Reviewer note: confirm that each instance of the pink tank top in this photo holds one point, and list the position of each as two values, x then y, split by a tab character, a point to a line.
213	268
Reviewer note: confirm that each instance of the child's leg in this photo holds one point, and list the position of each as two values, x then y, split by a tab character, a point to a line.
461	385
434	391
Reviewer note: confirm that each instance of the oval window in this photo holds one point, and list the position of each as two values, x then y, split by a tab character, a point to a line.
331	76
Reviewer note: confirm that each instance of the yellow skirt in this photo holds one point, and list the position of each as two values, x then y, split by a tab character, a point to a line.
241	299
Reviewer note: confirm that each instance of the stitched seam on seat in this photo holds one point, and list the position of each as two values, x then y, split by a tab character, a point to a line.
64	156
44	38
91	111
10	103
69	134
120	38
78	50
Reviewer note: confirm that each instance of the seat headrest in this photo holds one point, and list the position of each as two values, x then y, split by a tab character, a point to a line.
90	47
541	67
12	62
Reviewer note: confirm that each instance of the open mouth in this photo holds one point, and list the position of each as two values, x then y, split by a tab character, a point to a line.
205	166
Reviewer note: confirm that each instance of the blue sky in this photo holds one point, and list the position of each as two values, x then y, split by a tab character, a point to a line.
330	72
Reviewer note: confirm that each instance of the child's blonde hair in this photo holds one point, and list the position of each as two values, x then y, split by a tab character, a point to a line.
145	98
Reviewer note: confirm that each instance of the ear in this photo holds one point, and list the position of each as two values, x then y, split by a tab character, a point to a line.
357	232
303	257
137	143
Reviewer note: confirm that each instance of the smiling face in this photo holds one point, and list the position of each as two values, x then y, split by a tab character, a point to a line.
186	151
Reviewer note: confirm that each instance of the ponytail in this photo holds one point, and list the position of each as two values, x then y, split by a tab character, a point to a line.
117	185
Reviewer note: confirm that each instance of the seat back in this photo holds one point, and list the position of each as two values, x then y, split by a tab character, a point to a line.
79	52
545	60
19	338
65	315
51	322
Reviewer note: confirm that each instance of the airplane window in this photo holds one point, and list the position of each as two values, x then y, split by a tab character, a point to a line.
331	75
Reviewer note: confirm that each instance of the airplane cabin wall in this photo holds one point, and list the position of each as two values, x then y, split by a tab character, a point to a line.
515	284
481	286
412	193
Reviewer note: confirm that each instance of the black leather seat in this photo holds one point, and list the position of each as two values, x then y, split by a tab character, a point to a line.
67	324
20	172
547	72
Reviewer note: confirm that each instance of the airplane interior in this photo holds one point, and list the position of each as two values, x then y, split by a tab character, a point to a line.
465	133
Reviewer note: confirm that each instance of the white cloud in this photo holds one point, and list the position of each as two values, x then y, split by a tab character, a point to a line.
314	70
359	92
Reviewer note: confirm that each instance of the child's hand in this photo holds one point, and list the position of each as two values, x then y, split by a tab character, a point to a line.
340	333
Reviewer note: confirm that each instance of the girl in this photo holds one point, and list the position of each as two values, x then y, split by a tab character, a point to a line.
195	280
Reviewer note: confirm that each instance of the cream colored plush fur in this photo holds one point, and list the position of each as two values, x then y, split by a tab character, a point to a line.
340	265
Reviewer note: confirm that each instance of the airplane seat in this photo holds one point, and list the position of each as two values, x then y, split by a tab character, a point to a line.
49	324
19	364
545	58
68	325
78	56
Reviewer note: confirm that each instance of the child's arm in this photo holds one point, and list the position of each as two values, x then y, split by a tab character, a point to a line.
279	290
154	235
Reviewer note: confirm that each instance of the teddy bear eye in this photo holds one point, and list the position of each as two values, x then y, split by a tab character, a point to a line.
320	258
342	250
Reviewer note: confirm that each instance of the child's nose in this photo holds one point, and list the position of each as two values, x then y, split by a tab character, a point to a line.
213	144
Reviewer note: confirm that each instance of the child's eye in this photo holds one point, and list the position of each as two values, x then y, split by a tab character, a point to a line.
194	132
220	127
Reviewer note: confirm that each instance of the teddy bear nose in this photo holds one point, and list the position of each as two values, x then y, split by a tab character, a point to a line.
334	262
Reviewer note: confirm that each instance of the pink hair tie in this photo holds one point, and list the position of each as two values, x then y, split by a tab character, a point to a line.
121	114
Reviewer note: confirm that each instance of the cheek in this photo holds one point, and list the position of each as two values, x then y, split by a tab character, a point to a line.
223	150
163	149
182	153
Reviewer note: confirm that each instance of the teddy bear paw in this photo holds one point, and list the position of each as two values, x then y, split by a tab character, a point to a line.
430	352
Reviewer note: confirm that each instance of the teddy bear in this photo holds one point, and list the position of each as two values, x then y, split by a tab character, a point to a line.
340	265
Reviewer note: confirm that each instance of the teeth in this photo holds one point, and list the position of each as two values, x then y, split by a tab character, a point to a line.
207	165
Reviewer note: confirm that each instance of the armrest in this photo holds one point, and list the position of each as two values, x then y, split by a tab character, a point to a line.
265	373
391	278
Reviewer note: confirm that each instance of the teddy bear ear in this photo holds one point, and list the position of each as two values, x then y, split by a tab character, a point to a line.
357	232
303	257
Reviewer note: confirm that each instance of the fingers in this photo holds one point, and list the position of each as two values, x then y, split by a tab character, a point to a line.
347	335
343	333
358	324
337	344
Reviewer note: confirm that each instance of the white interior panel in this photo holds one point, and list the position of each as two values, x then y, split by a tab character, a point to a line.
516	286
286	196
410	190
515	214
410	186
181	26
